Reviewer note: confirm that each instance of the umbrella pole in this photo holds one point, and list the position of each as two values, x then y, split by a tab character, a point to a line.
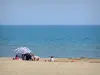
23	57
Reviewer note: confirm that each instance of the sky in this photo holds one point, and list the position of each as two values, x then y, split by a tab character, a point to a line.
49	12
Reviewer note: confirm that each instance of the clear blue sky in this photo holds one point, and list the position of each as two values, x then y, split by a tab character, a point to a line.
49	12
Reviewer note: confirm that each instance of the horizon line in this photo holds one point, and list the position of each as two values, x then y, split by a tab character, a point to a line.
48	24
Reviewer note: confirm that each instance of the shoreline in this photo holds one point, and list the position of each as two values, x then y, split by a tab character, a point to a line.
89	60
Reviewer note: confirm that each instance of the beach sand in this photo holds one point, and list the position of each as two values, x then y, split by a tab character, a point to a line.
62	66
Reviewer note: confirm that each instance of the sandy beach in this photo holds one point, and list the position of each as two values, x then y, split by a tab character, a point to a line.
62	66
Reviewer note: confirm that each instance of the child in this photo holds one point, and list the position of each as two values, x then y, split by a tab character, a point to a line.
52	59
16	58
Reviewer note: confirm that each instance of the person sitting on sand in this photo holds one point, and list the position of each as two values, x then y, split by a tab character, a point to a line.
32	57
52	59
16	58
28	56
36	58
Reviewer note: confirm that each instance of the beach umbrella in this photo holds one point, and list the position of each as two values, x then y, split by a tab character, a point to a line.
22	50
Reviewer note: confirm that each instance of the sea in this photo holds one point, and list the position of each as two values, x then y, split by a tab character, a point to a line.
60	41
